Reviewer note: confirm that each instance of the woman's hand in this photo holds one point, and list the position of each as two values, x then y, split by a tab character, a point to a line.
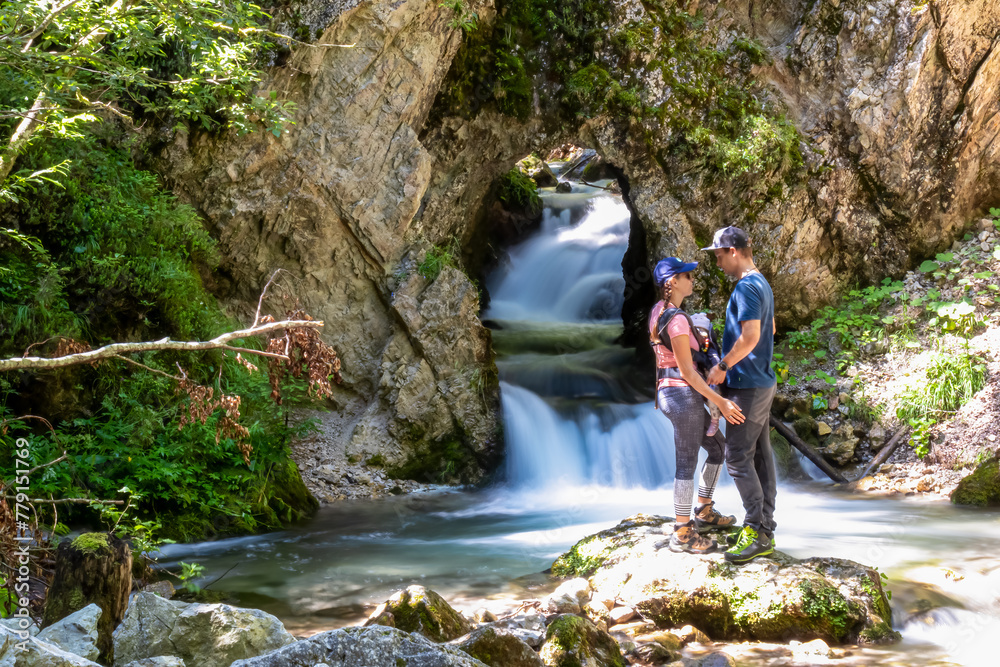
731	412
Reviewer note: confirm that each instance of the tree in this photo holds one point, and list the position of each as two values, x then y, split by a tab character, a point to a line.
64	62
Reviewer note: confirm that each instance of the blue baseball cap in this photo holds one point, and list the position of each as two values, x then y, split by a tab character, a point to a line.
671	266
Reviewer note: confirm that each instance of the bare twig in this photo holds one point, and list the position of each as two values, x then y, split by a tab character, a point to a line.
263	293
46	465
67	501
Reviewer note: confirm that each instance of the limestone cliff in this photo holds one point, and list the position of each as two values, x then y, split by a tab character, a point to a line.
850	137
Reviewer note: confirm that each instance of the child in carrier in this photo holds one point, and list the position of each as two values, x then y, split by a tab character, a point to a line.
710	349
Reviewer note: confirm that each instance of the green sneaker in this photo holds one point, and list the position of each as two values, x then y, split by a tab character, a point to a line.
750	545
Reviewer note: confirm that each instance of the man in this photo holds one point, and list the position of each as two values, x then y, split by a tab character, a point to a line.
747	350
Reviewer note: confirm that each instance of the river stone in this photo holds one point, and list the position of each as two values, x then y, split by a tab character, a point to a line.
775	598
717	660
15	624
982	487
569	598
364	647
207	635
36	653
530	628
573	640
158	661
498	648
419	609
77	633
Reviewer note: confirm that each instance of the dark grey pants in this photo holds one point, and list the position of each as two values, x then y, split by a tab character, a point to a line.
749	458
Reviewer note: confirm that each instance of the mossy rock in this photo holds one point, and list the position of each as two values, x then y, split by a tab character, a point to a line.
421	610
572	641
590	553
982	487
499	649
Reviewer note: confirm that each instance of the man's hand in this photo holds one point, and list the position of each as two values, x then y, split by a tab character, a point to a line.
716	375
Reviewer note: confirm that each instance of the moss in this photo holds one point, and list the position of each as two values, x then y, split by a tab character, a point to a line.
825	604
981	488
424	611
587	555
573	641
92	542
519	192
880	633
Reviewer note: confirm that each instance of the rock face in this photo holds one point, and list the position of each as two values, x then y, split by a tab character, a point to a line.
876	118
772	598
421	610
208	635
982	487
333	202
364	647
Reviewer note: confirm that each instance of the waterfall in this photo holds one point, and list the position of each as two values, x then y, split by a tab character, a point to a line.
572	414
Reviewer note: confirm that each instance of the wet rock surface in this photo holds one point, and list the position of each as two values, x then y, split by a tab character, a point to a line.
771	598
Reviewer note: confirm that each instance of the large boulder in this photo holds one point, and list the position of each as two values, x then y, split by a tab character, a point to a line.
20	651
364	647
418	609
207	635
77	633
498	648
777	598
573	640
158	661
982	487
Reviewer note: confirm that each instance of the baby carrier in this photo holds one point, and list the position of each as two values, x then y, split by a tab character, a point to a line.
707	354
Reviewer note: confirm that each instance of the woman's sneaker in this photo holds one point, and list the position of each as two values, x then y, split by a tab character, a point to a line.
686	539
706	516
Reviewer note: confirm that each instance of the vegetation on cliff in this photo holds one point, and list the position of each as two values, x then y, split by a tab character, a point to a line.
93	249
574	60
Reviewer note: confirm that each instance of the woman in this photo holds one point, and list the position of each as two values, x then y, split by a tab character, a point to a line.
680	389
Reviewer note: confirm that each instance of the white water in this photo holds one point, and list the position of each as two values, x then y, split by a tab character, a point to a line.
580	457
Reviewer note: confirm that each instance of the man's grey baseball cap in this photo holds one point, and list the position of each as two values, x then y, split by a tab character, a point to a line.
729	237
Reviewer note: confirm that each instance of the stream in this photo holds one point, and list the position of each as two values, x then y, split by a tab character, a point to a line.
585	449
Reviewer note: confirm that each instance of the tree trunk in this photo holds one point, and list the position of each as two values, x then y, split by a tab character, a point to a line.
93	568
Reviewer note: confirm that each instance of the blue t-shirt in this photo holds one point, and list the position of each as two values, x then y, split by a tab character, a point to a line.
752	299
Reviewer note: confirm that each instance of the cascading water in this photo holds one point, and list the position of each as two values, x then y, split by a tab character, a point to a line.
585	449
572	415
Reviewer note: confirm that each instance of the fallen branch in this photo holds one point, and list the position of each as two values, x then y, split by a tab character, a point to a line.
806	450
68	501
885	452
117	349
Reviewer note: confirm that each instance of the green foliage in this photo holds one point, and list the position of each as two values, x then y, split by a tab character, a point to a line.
189	572
950	382
518	190
114	255
439	257
183	483
463	20
193	60
104	256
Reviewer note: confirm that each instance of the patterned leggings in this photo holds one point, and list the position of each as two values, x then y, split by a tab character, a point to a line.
685	408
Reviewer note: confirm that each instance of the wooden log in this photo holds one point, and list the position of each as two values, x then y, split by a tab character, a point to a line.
807	451
93	568
884	453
